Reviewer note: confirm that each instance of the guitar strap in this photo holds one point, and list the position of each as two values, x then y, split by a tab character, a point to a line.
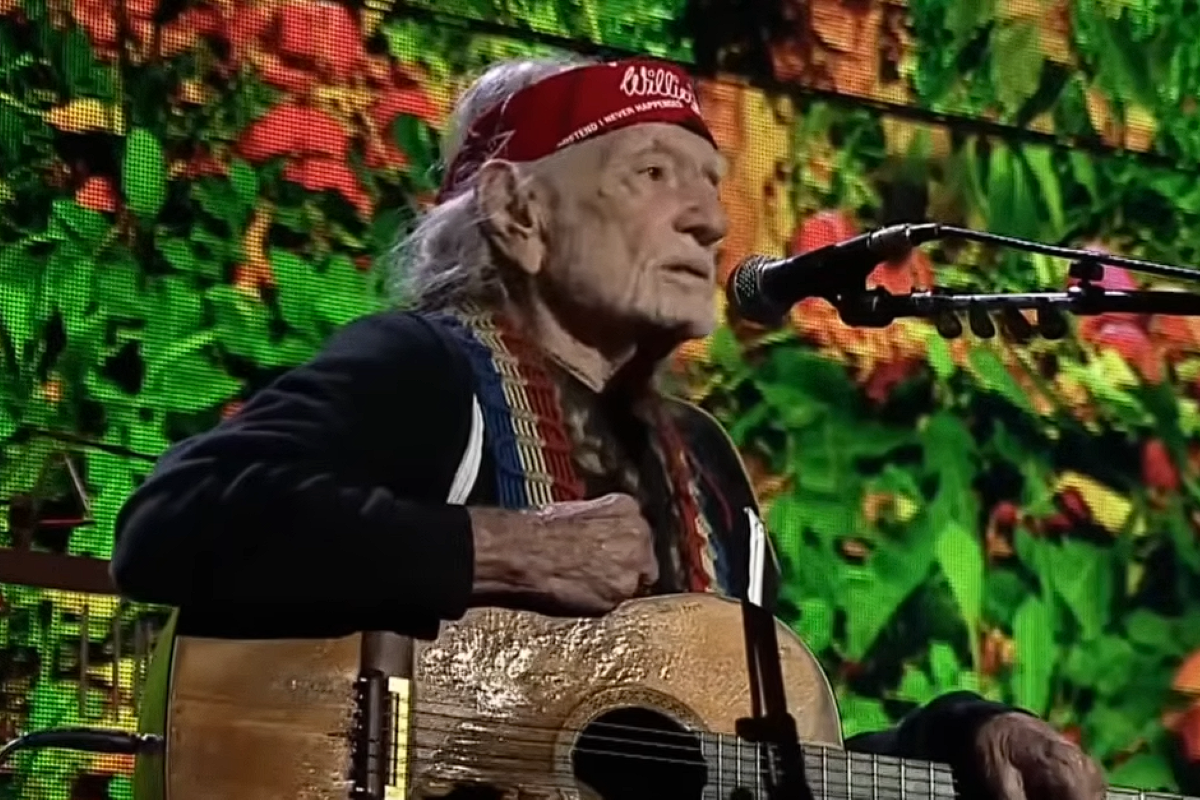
771	724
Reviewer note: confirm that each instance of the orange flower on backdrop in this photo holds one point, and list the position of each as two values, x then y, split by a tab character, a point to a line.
297	44
98	18
883	357
1186	724
754	191
754	133
255	273
316	144
842	45
202	163
720	102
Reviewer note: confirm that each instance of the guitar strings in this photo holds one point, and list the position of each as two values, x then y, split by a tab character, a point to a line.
460	770
457	766
480	741
686	739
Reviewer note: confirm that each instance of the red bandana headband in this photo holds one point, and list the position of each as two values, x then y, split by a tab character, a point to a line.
574	106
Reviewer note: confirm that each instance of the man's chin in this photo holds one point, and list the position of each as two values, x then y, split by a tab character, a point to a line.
695	326
680	329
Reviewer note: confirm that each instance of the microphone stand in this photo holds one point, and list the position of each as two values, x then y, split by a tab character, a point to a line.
878	308
771	723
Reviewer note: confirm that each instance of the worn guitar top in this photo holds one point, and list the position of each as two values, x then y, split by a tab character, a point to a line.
319	508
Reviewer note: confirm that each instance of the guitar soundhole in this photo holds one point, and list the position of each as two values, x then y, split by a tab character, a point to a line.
638	754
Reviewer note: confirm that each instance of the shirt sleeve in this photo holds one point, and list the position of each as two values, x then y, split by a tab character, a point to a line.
324	496
942	731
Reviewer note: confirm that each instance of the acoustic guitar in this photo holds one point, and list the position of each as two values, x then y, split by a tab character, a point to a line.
639	704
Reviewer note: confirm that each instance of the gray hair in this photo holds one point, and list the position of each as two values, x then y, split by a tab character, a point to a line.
445	260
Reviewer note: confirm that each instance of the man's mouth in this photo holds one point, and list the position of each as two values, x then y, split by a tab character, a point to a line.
696	270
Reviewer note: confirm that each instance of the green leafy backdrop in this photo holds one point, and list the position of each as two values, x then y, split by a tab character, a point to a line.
194	194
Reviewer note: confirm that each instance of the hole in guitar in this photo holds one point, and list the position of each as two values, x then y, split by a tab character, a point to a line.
638	754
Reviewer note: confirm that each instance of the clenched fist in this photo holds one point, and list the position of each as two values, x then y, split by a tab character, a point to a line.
568	559
1022	758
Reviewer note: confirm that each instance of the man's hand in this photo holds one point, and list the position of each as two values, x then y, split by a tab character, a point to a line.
568	559
1022	758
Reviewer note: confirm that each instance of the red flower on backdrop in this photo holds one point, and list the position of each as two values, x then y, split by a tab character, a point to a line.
396	92
884	357
98	19
1144	342
1158	468
297	44
1186	725
316	144
822	229
320	174
1117	279
97	193
907	275
819	230
291	129
1071	503
203	164
831	227
998	538
1134	345
884	379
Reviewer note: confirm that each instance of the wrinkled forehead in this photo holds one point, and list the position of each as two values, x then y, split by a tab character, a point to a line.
619	148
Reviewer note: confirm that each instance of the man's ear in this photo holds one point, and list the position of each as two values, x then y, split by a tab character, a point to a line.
512	214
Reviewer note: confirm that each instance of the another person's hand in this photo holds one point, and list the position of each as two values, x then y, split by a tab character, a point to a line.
568	559
1023	758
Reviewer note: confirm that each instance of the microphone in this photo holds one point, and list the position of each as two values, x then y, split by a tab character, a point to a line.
762	289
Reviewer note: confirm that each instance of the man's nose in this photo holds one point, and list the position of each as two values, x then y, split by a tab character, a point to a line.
703	217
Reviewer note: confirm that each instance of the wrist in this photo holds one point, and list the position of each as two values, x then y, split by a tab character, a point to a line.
501	566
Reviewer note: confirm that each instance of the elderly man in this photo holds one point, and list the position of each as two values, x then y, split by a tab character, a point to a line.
573	248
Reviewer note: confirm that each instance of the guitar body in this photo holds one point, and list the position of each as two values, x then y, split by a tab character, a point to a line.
524	704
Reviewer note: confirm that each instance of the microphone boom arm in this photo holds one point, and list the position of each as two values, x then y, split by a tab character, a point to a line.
878	308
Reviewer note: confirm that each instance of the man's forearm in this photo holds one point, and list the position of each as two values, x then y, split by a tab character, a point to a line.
291	537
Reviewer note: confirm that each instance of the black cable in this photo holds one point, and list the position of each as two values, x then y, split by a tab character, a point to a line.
766	82
87	740
1055	251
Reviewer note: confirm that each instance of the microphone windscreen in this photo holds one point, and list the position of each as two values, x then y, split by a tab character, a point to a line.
744	291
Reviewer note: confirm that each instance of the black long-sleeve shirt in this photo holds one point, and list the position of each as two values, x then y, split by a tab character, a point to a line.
319	509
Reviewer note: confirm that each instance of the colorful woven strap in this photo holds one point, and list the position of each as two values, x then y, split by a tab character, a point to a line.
527	436
698	555
522	415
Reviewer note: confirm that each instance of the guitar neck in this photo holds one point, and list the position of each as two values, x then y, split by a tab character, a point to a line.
835	774
1139	794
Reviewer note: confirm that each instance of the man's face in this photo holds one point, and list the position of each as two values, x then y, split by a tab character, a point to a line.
631	239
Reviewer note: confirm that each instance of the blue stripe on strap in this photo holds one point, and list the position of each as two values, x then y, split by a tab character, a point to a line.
500	437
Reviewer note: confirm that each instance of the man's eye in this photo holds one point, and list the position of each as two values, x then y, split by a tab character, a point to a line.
654	173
